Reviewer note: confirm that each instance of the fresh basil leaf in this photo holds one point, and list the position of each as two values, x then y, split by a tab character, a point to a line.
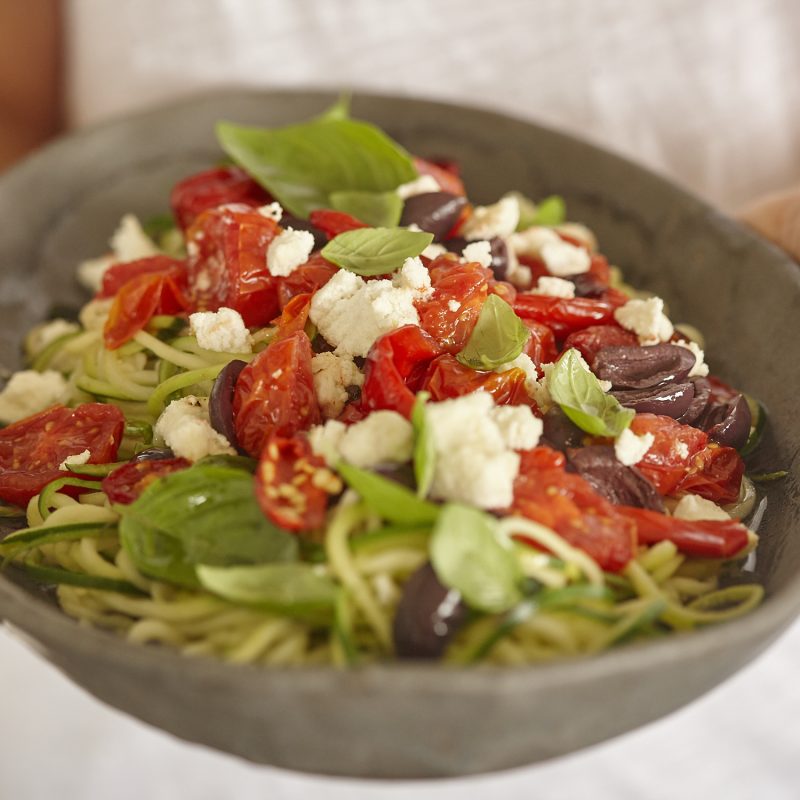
339	110
497	338
379	209
206	514
549	211
375	251
581	398
295	589
468	554
301	165
424	451
388	499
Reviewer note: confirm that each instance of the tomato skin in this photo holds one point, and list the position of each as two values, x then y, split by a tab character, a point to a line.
117	275
541	346
445	176
395	369
32	449
211	188
715	474
564	315
448	378
293	484
701	538
590	341
227	263
294	316
127	482
275	394
546	493
332	223
306	279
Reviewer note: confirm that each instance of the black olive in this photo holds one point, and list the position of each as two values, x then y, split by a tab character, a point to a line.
297	224
154	454
734	428
587	285
633	367
220	401
434	212
671	399
560	432
702	392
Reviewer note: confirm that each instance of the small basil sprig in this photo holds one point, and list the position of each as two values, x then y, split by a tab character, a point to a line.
424	450
375	251
576	389
469	555
301	165
379	209
550	211
497	338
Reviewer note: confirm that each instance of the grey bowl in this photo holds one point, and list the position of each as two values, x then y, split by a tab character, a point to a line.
419	720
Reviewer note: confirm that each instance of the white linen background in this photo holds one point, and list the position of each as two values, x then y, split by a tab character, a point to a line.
704	91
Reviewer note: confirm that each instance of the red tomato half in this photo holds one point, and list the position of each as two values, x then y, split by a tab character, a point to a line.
117	275
32	449
306	279
294	316
275	394
541	346
332	223
590	341
564	315
445	176
228	263
447	378
127	482
715	473
212	188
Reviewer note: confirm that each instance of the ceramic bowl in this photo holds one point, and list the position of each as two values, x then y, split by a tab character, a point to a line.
419	720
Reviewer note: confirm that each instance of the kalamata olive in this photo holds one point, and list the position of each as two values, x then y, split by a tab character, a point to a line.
671	399
220	401
154	454
621	485
427	616
435	212
734	428
587	285
498	251
297	224
633	367
702	391
559	431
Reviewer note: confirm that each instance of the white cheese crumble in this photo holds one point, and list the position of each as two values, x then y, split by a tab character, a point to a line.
453	305
288	250
681	449
646	319
352	313
518	426
562	258
424	184
433	250
694	507
332	375
473	463
221	331
554	287
524	362
185	429
700	368
28	392
531	241
478	251
578	231
630	448
499	219
271	211
413	275
325	439
76	460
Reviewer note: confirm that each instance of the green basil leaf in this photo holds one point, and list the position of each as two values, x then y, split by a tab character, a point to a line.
468	554
375	251
295	589
388	499
581	398
206	514
339	110
302	164
379	209
549	211
424	451
497	338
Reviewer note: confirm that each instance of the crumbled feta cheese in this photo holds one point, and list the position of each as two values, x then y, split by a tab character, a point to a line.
325	440
433	250
554	287
499	219
288	250
694	507
473	463
700	368
562	258
646	319
524	362
222	331
518	426
424	184
46	333
76	460
453	305
478	251
271	211
332	375
531	241
28	392
352	313
384	437
517	274
630	449
576	230
413	275
681	450
90	272
184	427
605	385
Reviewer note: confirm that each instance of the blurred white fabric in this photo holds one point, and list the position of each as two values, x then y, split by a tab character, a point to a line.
705	91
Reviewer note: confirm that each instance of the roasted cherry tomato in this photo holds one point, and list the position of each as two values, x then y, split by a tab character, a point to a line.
566	503
227	263
306	279
447	378
445	176
32	449
212	188
395	368
565	315
541	346
275	394
702	538
590	341
127	482
714	473
117	275
332	223
293	485
294	316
